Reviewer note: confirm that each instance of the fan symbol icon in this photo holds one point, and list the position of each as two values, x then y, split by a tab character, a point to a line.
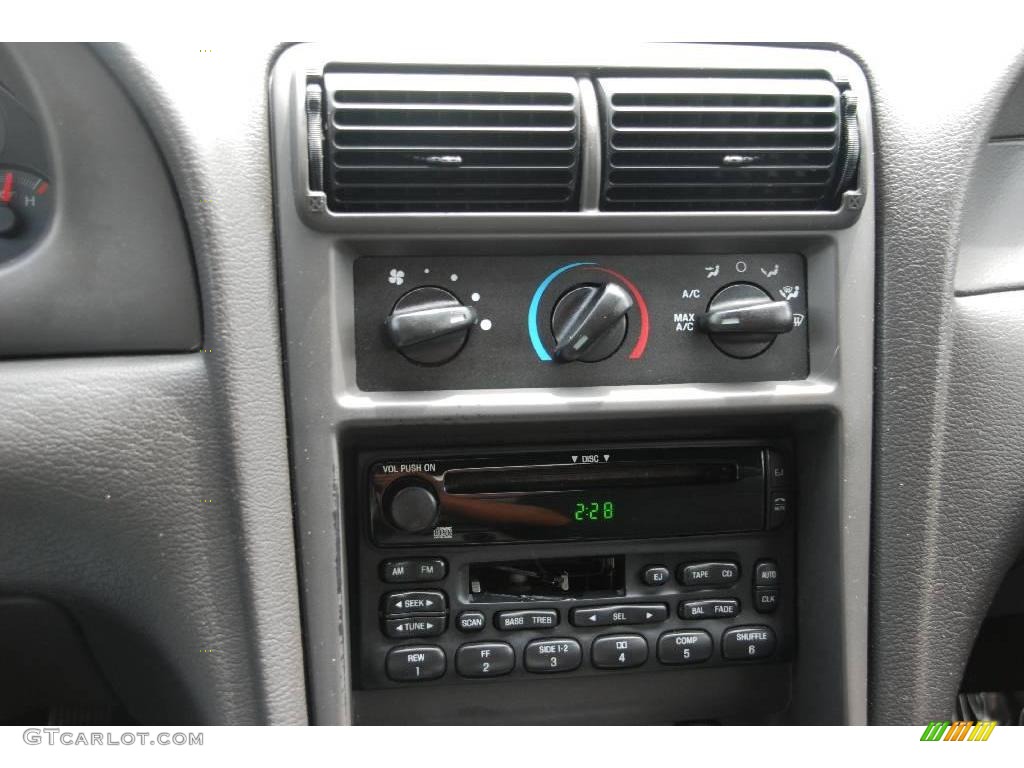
397	277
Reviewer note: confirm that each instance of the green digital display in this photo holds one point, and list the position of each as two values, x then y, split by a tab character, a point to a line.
593	511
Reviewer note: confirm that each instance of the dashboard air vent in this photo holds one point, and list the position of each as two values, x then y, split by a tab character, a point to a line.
725	144
451	143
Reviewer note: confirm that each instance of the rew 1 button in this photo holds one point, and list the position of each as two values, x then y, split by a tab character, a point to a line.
509	621
748	642
618	651
560	654
405	665
485	659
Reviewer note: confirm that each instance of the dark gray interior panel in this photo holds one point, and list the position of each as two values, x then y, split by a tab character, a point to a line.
114	273
927	587
991	256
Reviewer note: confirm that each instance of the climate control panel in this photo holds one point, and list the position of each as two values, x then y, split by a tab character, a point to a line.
479	322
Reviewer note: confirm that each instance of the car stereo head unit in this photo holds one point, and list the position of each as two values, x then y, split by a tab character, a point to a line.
627	493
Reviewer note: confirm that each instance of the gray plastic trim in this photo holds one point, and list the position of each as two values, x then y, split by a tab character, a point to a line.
317	252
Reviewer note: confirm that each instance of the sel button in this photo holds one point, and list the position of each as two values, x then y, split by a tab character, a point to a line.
618	651
421	663
561	654
485	659
748	642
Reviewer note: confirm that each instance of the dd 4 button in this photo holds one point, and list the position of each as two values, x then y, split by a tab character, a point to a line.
748	642
618	651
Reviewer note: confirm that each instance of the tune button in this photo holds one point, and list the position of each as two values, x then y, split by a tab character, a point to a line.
427	626
558	654
618	651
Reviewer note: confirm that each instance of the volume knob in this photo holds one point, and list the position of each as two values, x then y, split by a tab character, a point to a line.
412	509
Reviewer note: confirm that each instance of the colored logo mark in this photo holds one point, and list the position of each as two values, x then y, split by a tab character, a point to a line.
961	730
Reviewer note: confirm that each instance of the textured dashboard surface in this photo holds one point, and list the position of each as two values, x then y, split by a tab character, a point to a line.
940	545
151	495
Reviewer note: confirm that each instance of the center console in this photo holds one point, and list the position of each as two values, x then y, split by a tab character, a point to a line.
579	359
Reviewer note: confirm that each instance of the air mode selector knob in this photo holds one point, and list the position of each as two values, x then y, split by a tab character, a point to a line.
429	325
412	509
589	322
742	320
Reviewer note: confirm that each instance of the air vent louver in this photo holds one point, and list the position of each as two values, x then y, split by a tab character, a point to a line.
722	144
451	143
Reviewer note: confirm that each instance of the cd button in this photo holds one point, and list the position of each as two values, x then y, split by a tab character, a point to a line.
618	651
510	621
709	574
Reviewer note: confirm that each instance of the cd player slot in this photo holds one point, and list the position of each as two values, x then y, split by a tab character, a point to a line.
562	477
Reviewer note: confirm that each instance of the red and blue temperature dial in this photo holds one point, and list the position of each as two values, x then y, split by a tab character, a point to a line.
587	269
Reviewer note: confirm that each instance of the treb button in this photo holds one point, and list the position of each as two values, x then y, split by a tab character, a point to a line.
510	621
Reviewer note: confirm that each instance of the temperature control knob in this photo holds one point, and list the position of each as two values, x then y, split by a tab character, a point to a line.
430	325
743	320
589	322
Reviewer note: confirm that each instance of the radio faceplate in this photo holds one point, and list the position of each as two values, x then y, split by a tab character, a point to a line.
463	611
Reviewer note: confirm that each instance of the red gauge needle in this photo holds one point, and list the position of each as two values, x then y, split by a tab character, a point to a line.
5	196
